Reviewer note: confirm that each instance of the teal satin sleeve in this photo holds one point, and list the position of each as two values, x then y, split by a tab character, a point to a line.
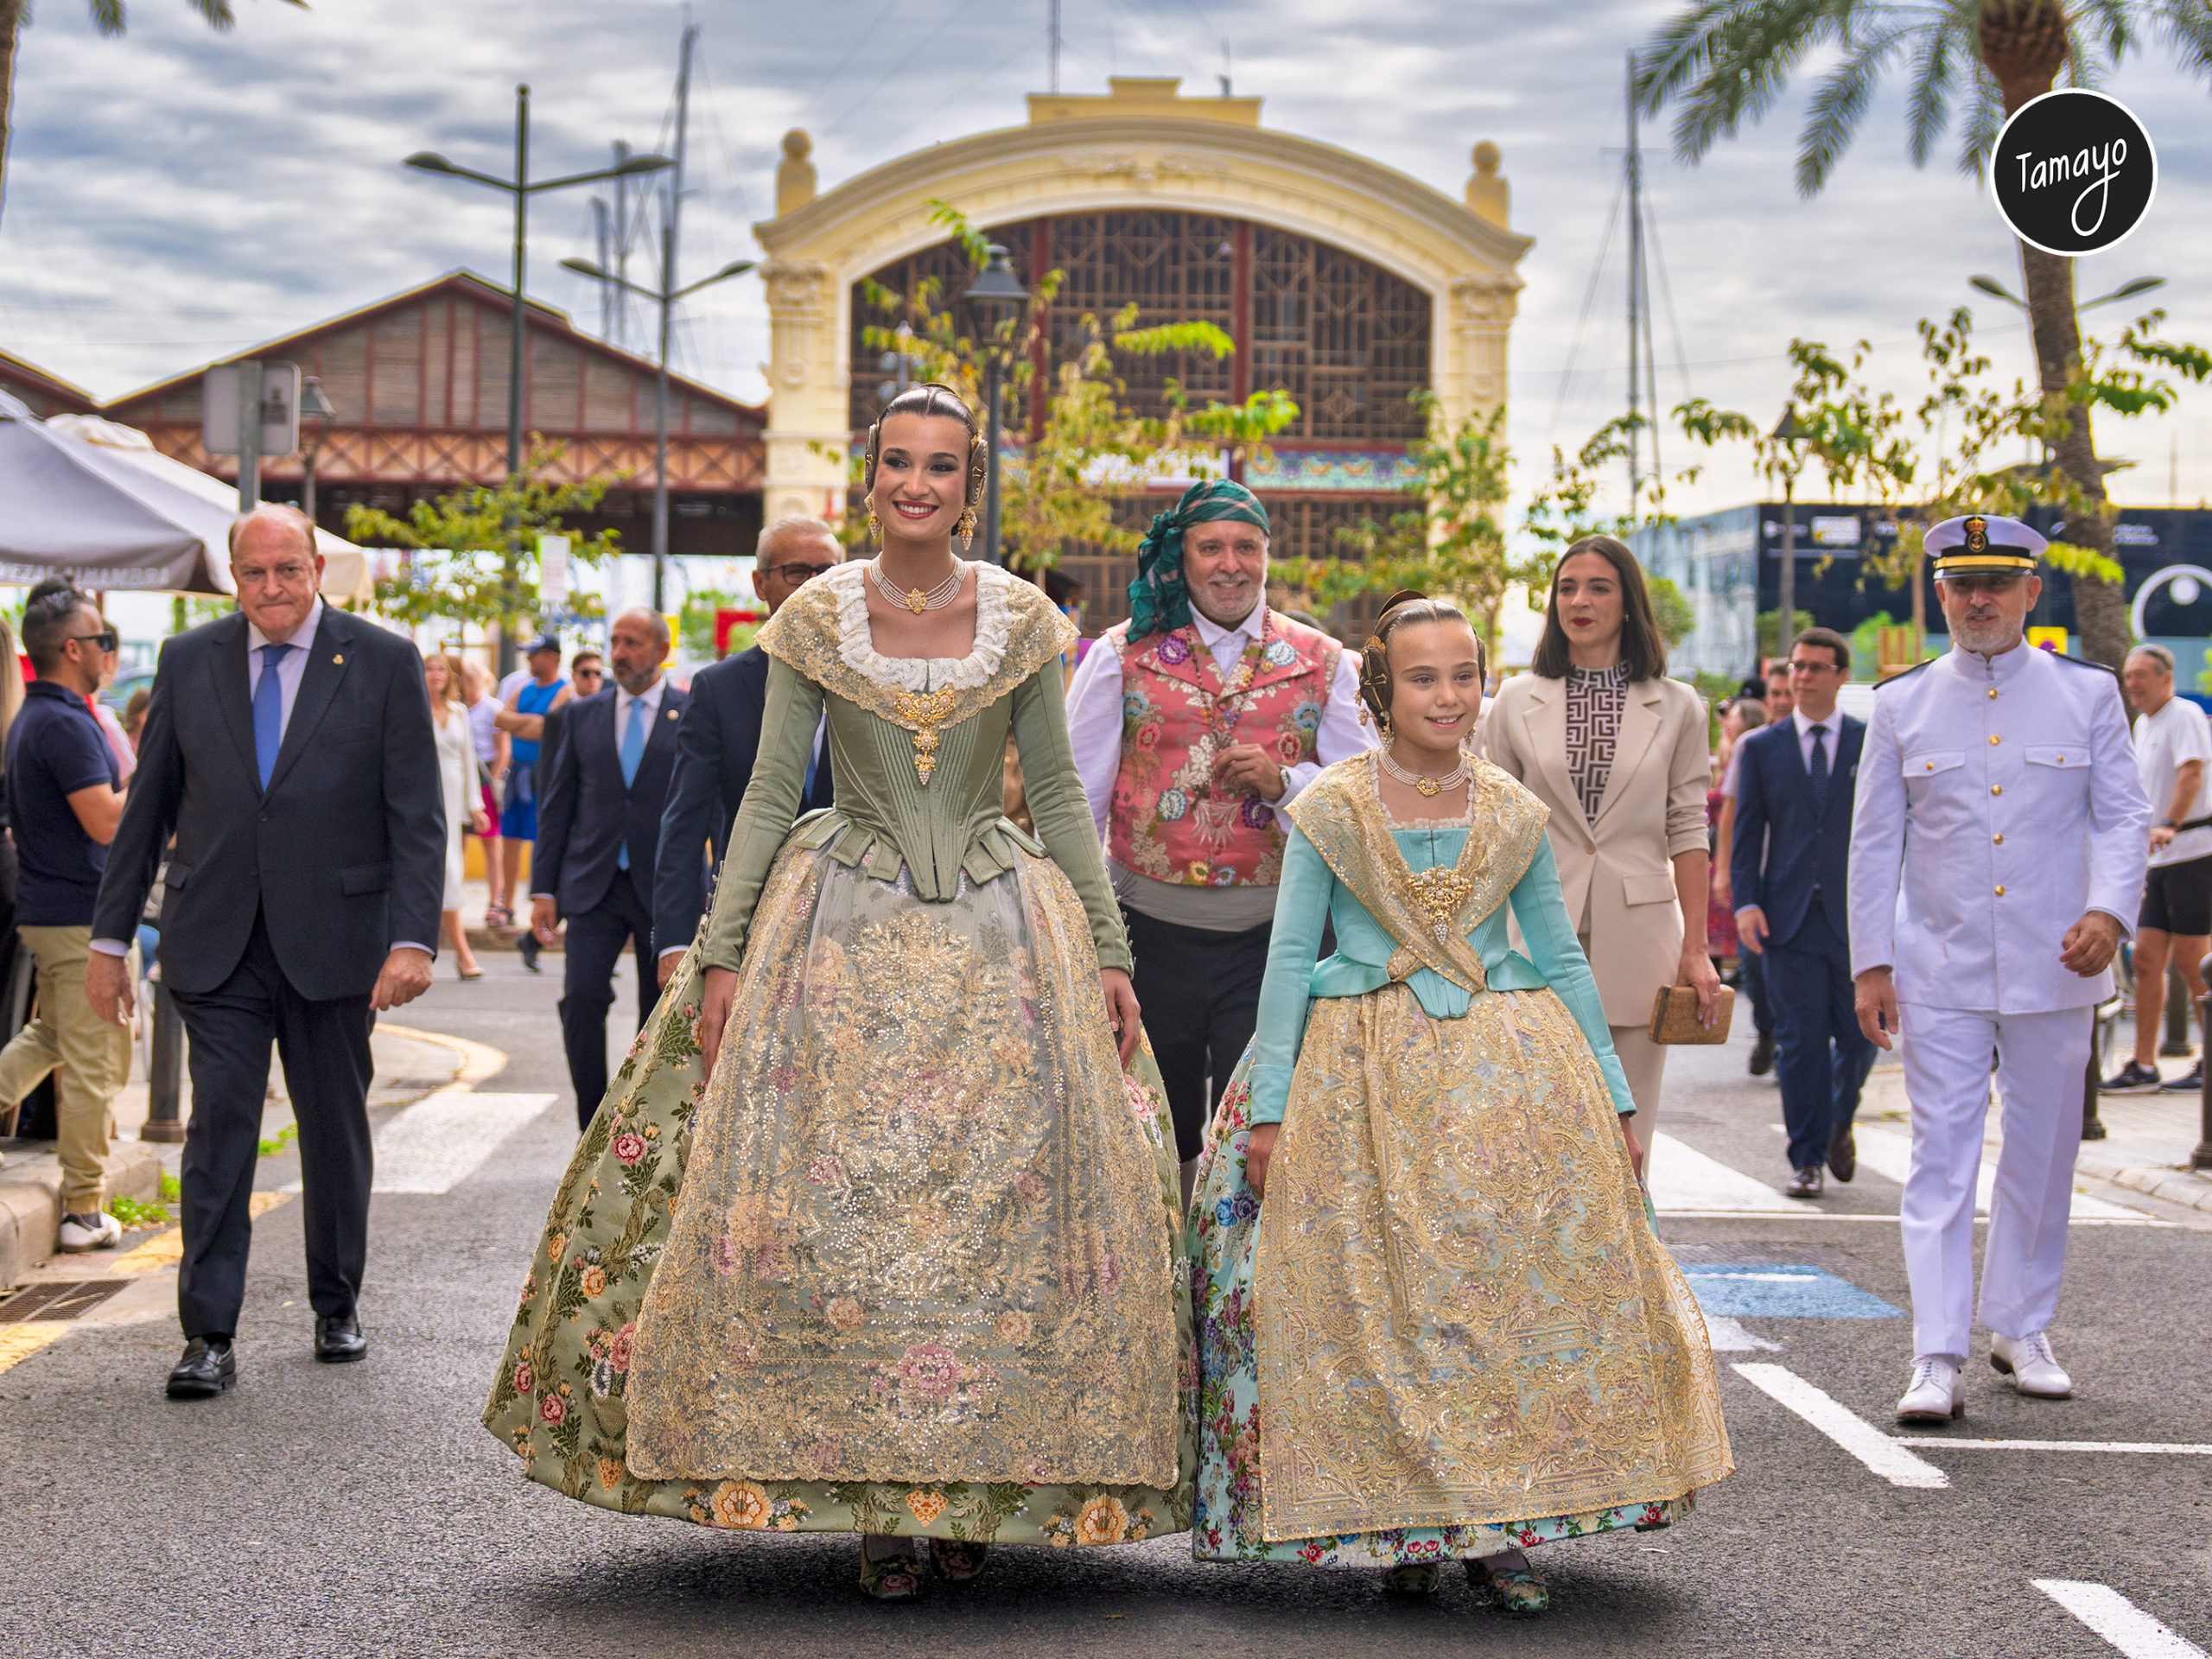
1285	994
1557	955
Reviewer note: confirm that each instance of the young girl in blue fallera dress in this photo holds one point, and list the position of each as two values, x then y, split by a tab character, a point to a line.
1436	1321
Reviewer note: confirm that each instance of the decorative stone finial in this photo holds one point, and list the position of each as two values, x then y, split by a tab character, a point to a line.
795	174
1489	196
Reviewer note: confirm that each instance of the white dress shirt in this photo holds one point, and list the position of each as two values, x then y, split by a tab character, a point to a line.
1095	734
649	696
289	671
1829	726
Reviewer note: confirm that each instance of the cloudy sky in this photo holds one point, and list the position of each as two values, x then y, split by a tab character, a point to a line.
175	195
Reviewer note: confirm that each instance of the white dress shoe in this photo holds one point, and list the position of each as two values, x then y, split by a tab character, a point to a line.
2029	1362
1933	1400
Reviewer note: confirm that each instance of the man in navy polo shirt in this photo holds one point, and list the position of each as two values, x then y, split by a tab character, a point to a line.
62	792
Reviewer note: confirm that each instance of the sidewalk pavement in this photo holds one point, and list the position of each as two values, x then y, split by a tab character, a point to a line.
2148	1138
407	1068
475	895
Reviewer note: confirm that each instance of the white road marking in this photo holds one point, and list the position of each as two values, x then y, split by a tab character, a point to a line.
2063	1445
2119	1620
1878	1451
444	1138
1685	1180
1729	1337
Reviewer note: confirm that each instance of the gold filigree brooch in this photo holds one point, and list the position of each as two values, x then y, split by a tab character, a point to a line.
921	713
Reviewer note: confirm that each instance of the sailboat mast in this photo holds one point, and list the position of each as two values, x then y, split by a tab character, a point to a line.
1635	317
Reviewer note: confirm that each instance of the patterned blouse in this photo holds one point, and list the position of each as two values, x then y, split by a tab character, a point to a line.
1594	699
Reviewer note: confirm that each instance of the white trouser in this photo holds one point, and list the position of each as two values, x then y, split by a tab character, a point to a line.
2042	1060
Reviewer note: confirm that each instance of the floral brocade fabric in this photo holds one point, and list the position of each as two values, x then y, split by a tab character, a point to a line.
910	1265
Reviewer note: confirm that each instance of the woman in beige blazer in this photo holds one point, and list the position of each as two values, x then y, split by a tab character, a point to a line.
1619	754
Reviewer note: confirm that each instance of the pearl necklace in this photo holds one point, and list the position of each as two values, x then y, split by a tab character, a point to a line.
913	598
1425	784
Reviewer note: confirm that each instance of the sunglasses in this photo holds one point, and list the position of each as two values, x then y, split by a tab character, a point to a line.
106	638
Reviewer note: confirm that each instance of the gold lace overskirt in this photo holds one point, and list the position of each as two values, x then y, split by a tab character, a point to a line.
1464	1316
919	1236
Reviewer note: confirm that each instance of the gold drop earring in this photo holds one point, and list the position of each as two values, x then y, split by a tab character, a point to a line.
967	528
875	529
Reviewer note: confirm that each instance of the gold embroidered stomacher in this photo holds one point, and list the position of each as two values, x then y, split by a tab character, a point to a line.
804	633
1430	912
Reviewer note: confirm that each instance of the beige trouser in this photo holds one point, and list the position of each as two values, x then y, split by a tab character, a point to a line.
95	1058
1644	1061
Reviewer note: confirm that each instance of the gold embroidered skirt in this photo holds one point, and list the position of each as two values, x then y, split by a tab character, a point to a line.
1464	1316
920	1236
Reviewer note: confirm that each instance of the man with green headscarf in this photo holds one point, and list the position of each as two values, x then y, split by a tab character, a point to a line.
1193	722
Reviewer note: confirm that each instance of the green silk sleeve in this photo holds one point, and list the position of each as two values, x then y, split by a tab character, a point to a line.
1557	955
1061	811
788	724
1302	911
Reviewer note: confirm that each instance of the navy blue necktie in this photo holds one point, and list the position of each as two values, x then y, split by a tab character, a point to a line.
1818	769
269	712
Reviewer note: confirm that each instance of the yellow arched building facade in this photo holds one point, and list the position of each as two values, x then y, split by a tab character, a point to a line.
1346	282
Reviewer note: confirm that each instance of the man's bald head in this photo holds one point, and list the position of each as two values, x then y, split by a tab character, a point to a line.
636	644
275	568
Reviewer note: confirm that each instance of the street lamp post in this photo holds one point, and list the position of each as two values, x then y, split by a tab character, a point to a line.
995	298
315	405
1787	431
522	188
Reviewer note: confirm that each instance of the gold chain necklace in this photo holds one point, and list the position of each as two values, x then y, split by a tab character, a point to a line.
1425	784
913	598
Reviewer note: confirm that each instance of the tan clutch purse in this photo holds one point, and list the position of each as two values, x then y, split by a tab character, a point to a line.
1673	1016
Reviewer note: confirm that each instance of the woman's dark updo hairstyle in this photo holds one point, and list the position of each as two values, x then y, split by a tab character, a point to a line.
1407	605
1644	651
933	398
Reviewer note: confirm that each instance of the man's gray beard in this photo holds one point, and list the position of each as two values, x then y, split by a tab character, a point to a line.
1993	640
1259	603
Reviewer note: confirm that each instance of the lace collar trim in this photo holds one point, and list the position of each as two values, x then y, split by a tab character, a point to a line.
848	585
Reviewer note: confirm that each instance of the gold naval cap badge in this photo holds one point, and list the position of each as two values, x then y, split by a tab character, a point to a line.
1977	530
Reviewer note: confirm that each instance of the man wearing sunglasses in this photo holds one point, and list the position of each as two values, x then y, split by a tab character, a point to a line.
717	741
67	799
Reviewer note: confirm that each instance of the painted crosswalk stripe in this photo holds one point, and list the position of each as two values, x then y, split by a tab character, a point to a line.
445	1137
2150	1447
1685	1181
1878	1451
1728	1336
2119	1620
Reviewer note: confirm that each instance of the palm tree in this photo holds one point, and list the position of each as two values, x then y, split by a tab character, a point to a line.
1969	61
108	18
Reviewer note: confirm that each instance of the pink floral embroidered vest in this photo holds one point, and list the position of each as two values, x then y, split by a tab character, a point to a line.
1168	822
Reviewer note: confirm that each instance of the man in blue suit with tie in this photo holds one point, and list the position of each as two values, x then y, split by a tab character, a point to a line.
1796	785
718	737
597	838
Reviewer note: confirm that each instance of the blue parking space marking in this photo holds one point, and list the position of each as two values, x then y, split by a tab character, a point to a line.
1783	1290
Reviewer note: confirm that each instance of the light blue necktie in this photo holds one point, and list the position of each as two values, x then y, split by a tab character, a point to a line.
633	751
269	712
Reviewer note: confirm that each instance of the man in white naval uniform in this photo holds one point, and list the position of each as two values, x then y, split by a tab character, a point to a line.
1997	857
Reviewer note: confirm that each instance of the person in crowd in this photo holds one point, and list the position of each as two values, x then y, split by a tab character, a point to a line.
1778	701
1743	715
134	717
289	751
594	862
11	700
525	696
118	738
586	676
1195	722
1795	784
1997	857
2173	742
1364	1222
1617	752
442	678
914	1175
718	737
65	798
493	750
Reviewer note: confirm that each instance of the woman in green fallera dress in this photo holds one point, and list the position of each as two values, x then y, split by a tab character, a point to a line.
1435	1321
876	1230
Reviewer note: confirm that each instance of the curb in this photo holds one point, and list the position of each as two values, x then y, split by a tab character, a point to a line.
30	1203
2181	1186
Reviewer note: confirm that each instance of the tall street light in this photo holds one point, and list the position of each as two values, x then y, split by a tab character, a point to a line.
1787	432
994	299
522	188
316	406
666	298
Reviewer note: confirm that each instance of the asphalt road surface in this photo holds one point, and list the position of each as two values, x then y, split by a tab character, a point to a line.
362	1510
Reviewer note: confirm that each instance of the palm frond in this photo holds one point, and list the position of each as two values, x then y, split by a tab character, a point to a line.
1727	60
217	12
1935	76
2187	27
107	15
1839	104
2106	27
1984	120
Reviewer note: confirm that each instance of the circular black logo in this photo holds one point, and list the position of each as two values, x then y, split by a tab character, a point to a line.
2074	172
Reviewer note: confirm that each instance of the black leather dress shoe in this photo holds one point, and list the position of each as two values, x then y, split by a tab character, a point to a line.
338	1338
1762	1055
209	1366
1843	1154
1805	1184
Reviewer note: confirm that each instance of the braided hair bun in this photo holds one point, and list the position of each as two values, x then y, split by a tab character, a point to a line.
1407	605
933	398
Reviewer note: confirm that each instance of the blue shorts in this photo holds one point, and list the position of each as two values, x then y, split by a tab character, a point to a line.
519	820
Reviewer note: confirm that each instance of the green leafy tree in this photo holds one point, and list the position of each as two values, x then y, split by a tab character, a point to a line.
456	571
1969	64
695	623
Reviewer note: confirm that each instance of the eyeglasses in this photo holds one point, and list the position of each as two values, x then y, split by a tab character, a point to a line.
281	575
794	575
1814	668
107	639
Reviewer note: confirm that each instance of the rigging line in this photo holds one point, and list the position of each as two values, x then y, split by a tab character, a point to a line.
1667	294
939	27
861	39
960	92
1589	301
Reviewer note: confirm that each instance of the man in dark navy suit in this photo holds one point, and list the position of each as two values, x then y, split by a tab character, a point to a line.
288	750
1796	786
595	840
717	740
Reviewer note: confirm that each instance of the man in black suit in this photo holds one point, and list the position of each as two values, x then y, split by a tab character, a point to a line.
595	840
288	749
718	737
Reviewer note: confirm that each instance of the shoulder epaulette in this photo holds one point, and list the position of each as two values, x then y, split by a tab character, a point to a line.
1908	674
2083	662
